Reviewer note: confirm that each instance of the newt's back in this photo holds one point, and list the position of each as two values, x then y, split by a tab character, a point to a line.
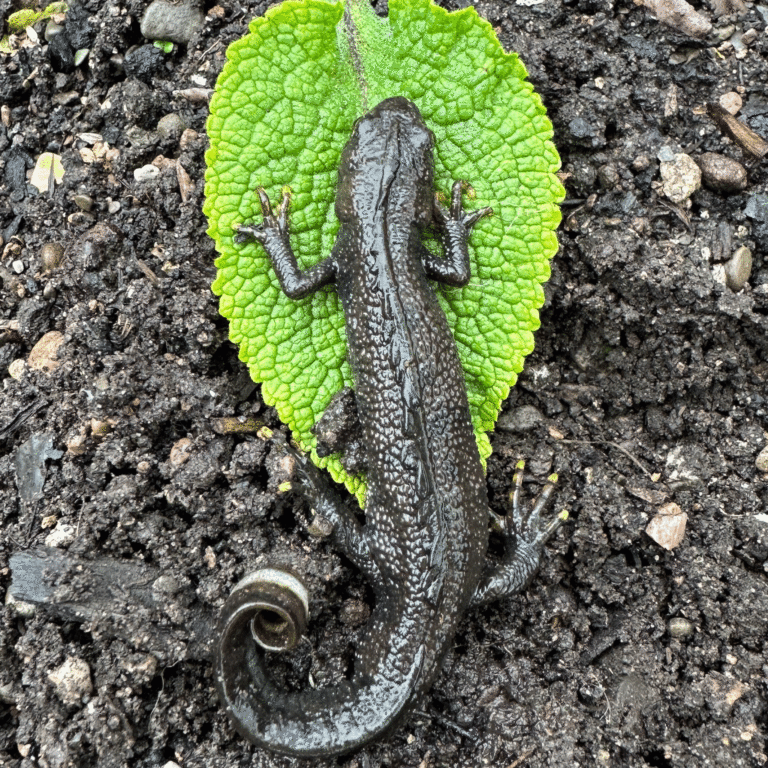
426	504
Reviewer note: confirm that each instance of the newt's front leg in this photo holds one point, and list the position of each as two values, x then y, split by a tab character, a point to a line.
272	233
454	225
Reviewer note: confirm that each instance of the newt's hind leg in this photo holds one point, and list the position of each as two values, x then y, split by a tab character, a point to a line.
525	532
328	507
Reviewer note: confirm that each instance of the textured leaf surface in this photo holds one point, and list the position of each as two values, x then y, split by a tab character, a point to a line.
284	107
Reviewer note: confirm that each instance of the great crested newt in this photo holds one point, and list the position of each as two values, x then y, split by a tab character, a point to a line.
424	541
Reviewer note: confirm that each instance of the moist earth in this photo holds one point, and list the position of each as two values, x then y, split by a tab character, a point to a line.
134	435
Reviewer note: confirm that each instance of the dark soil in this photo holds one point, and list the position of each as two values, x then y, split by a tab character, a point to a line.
649	377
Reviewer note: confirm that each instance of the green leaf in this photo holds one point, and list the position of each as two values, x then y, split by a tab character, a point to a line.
27	17
166	46
284	107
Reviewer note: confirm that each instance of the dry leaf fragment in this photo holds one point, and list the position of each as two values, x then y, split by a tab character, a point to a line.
186	185
48	169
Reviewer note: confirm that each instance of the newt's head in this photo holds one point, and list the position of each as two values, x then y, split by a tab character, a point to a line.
388	164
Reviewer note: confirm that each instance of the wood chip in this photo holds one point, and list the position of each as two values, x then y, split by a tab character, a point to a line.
744	136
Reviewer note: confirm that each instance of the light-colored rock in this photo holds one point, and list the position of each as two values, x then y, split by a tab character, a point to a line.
738	268
681	177
16	369
72	680
761	462
177	22
44	355
667	527
146	173
61	536
731	102
181	450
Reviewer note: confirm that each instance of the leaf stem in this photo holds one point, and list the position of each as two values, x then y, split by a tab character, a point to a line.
353	40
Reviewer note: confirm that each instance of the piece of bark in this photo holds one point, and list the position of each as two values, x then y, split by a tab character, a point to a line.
753	144
133	601
680	15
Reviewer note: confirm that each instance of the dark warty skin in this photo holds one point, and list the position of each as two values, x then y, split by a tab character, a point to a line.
424	541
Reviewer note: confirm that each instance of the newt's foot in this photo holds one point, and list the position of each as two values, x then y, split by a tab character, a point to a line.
528	528
526	532
273	227
332	517
455	215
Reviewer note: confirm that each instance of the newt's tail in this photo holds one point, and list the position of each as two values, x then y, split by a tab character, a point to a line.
310	723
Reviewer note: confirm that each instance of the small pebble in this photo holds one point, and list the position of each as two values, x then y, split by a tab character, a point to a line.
100	428
522	419
749	36
72	681
18	266
66	98
722	174
177	22
666	154
76	445
188	138
320	527
8	695
181	451
731	102
608	176
680	628
113	206
16	369
738	269
171	126
80	219
43	356
51	254
667	528
61	536
52	29
166	585
146	173
681	177
83	202
761	462
641	163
